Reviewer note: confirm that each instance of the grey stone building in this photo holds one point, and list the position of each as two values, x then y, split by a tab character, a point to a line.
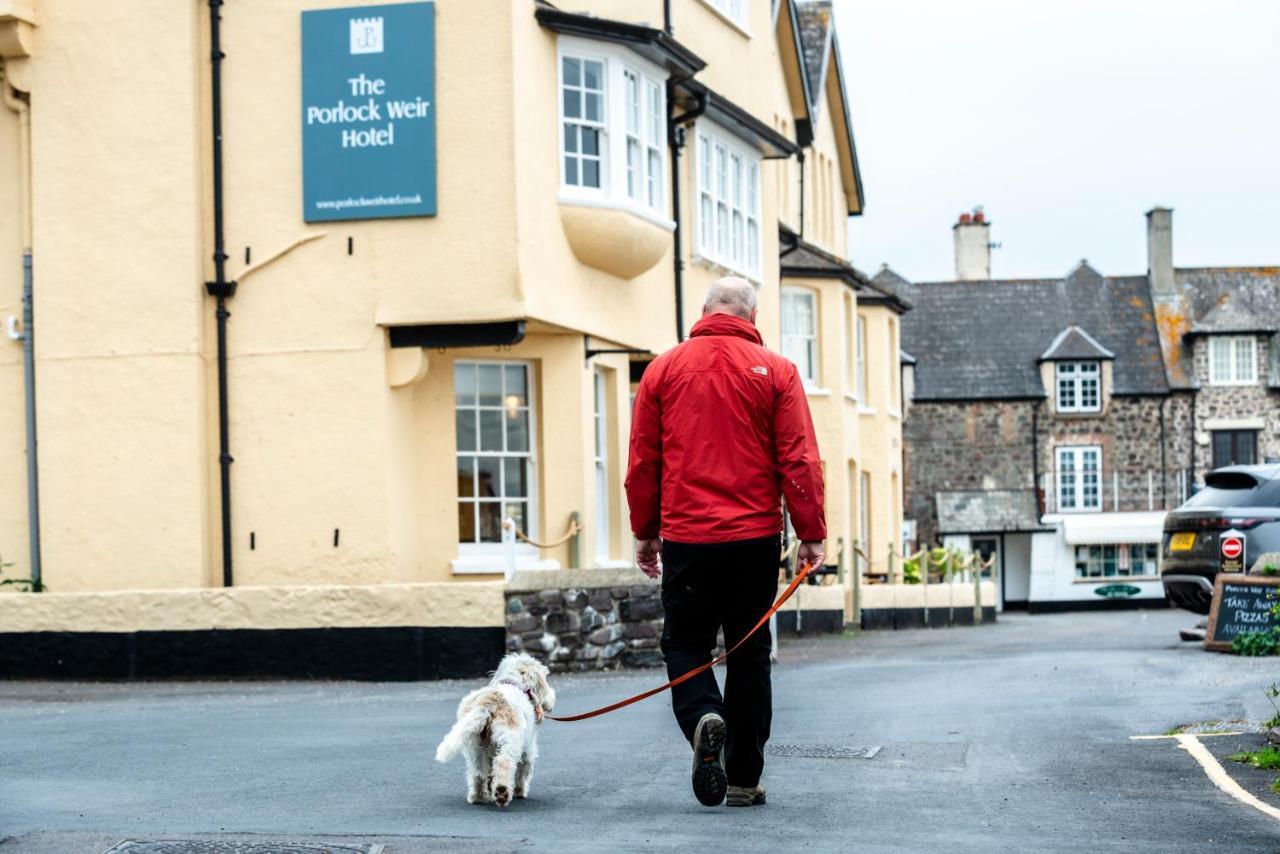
1052	421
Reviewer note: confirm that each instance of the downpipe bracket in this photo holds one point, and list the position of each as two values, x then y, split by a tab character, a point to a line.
220	289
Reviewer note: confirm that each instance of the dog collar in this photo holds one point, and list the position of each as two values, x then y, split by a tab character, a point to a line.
528	692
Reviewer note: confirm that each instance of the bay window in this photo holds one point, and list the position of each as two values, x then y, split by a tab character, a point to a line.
728	201
613	115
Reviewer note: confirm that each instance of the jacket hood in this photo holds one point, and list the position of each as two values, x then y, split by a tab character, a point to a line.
726	324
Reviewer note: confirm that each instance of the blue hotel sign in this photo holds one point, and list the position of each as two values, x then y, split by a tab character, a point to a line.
368	112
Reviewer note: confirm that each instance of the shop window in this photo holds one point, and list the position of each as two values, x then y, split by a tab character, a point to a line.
800	332
1235	448
1125	560
1079	476
728	201
1079	386
612	127
1233	360
493	407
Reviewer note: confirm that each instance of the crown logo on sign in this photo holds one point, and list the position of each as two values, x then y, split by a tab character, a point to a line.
366	35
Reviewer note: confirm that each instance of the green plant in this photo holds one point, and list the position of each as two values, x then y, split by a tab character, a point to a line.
1257	643
1270	569
911	571
1268	757
1272	693
27	585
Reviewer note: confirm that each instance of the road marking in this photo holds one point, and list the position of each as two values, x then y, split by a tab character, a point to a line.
1190	742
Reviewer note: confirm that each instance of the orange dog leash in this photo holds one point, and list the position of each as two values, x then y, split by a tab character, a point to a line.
604	710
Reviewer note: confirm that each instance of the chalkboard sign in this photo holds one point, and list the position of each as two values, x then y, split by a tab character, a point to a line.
1241	604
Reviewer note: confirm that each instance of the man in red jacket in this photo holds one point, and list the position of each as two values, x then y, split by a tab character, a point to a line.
720	433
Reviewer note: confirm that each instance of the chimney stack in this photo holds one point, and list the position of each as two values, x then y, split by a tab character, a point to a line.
1160	251
973	246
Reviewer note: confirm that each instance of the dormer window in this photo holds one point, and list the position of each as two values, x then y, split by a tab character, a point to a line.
1233	360
1079	386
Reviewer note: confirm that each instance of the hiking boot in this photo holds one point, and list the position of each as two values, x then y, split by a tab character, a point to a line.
745	796
709	779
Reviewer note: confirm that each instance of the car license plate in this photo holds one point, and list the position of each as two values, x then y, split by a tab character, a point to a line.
1182	541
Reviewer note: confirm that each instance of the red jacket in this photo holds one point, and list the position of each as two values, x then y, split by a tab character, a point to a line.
720	431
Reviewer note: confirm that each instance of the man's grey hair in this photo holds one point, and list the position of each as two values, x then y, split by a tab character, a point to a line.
732	295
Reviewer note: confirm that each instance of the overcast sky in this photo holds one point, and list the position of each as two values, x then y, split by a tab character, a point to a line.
1067	122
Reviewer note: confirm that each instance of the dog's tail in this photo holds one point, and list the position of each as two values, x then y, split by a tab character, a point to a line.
468	725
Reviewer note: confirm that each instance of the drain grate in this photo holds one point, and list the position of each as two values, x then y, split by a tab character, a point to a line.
822	751
206	846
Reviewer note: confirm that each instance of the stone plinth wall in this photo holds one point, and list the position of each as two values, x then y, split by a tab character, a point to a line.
585	619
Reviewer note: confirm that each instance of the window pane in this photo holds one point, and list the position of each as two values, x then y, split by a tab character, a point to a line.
516	510
490	522
633	169
593	112
464	384
466	477
491	429
466	522
704	163
490	385
518	430
704	221
517	385
591	173
736	172
571	170
465	426
1219	360
593	75
633	103
572	71
570	138
488	471
722	229
655	113
722	178
516	484
753	244
655	178
753	189
1245	362
572	104
591	141
737	237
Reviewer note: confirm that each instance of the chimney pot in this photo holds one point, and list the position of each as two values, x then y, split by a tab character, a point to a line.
979	216
966	218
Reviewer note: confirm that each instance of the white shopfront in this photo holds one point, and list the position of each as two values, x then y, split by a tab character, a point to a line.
1089	559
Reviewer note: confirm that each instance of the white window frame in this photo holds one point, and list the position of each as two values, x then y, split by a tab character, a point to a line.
600	423
1071	475
1094	556
1075	378
728	190
633	149
733	11
792	338
532	499
1241	360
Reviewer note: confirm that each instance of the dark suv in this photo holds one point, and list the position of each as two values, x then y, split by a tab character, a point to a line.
1246	498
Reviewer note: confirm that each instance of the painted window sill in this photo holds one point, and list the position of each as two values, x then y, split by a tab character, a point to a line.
742	31
815	391
717	267
867	410
495	563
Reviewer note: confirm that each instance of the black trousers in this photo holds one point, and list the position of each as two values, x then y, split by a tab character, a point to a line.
706	586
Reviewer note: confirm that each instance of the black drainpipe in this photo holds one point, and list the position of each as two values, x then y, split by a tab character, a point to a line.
800	159
220	287
1035	460
675	138
1191	448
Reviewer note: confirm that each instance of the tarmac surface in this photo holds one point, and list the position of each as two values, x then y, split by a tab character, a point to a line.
1012	737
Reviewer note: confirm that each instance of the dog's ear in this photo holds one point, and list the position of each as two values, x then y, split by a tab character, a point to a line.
542	688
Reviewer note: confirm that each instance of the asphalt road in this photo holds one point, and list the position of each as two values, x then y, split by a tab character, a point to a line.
1013	737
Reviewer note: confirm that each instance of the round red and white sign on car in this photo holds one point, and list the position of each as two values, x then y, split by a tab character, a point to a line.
1232	547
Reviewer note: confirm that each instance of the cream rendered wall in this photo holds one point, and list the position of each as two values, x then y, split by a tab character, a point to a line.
825	214
879	415
120	307
13	456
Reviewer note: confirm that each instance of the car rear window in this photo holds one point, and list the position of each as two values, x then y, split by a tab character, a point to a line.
1239	492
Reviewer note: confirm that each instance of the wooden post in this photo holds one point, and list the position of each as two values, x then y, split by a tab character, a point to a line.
889	567
575	542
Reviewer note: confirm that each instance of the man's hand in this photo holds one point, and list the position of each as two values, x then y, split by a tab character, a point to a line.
647	552
811	554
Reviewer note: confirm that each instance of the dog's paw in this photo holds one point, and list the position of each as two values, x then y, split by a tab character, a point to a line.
520	794
501	795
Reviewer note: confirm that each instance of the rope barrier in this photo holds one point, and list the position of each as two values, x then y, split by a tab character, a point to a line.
575	528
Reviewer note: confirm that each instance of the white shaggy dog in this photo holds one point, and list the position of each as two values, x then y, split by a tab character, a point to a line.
496	730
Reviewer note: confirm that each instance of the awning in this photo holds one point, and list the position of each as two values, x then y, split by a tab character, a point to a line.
1101	528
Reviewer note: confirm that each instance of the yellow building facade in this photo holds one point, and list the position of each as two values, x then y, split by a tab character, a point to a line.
397	387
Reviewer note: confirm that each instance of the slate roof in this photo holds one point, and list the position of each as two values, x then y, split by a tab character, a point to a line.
1074	343
815	29
987	511
802	258
981	340
1220	300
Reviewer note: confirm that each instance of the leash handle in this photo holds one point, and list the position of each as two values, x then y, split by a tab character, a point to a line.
702	668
